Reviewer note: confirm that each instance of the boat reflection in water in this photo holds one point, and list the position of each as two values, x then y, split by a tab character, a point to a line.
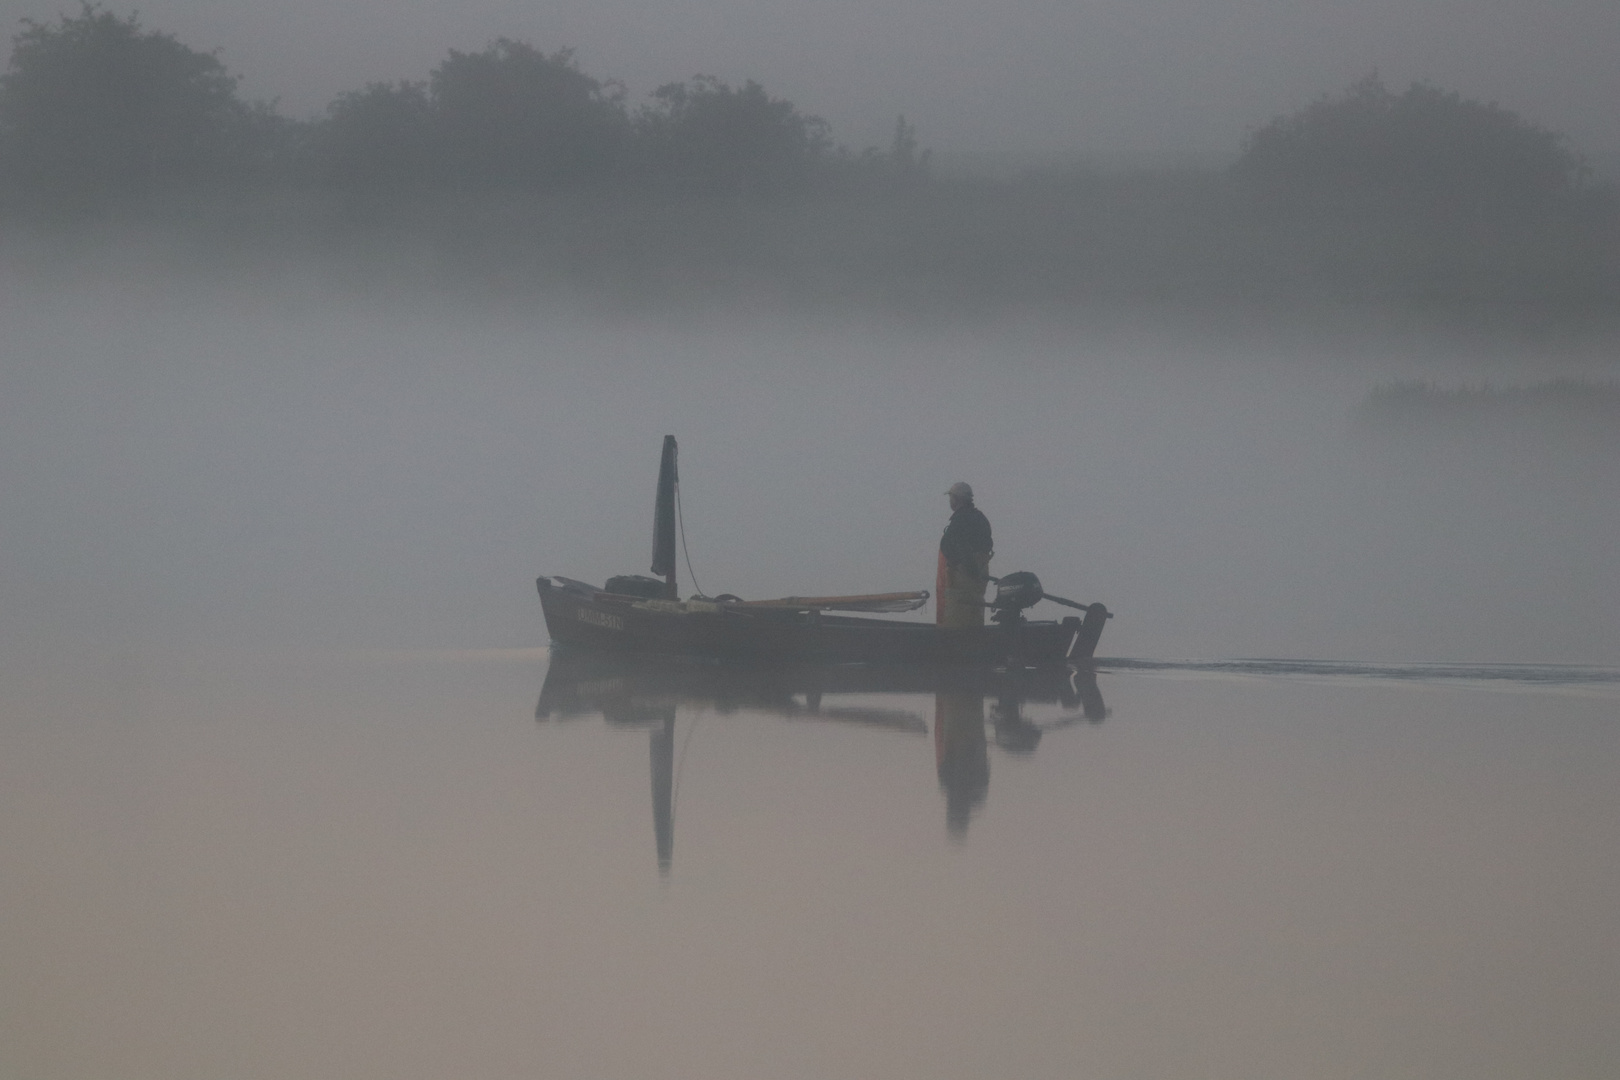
647	691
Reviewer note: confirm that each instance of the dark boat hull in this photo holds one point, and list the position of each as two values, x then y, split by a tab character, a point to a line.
598	620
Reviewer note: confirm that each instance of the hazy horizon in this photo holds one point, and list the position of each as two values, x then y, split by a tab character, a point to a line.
1163	82
283	460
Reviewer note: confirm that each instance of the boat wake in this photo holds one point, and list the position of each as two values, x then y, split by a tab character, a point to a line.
1596	681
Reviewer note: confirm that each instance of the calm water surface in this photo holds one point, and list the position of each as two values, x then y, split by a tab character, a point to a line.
396	865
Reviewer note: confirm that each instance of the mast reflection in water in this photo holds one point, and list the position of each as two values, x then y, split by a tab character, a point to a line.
663	788
645	691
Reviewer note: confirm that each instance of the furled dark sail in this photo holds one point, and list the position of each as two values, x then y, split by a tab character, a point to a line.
663	559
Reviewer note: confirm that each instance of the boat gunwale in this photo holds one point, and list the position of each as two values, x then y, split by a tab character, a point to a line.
782	613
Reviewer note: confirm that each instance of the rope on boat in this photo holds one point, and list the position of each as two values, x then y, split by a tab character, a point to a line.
685	551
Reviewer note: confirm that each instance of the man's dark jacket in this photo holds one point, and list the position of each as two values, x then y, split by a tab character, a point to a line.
967	535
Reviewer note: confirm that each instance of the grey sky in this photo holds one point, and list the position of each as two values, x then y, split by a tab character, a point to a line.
1143	79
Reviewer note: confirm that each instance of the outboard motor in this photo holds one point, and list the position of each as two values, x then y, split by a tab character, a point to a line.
1022	589
1015	592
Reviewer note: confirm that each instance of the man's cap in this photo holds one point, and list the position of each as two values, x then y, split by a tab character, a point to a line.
960	490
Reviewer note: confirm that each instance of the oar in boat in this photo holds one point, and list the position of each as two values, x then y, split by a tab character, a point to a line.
872	602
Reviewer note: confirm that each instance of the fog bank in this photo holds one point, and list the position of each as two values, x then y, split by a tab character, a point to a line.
189	463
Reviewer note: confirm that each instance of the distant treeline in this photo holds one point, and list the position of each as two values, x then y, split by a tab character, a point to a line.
512	157
95	108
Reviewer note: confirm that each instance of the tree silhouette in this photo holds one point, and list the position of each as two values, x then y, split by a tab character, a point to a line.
1424	147
512	115
378	140
909	164
706	137
94	106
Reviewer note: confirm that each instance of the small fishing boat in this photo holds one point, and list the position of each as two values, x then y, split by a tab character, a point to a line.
633	613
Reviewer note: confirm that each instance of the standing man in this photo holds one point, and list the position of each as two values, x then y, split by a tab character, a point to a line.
964	562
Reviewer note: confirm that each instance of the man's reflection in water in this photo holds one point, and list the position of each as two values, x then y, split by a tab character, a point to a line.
962	755
663	788
961	751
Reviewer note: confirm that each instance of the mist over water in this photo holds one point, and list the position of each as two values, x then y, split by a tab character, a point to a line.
278	799
273	463
293	411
